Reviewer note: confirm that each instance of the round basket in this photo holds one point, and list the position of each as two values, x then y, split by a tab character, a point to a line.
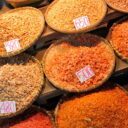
67	98
69	39
27	39
85	29
32	110
19	3
22	100
116	7
110	40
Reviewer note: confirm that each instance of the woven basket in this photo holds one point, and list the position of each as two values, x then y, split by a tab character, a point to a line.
86	29
70	39
110	41
34	96
68	97
115	8
31	109
22	49
19	3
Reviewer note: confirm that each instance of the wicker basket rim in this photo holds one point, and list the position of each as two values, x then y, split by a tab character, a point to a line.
9	54
33	98
87	29
111	42
115	8
87	89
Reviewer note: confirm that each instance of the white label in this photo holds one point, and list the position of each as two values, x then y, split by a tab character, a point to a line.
85	74
81	22
7	107
12	45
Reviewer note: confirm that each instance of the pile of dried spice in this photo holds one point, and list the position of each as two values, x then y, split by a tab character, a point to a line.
21	80
32	118
121	5
106	108
119	38
25	24
61	13
63	59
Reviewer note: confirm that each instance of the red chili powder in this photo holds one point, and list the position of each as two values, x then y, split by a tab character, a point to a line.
36	121
29	119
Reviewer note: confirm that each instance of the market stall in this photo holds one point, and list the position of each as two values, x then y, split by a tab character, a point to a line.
77	52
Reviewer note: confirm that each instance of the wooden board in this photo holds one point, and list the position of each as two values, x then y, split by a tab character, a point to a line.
120	64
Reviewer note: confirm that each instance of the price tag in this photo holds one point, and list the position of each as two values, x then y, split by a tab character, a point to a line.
85	74
81	22
7	107
12	45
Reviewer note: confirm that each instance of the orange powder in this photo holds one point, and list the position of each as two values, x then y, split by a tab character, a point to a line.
107	108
